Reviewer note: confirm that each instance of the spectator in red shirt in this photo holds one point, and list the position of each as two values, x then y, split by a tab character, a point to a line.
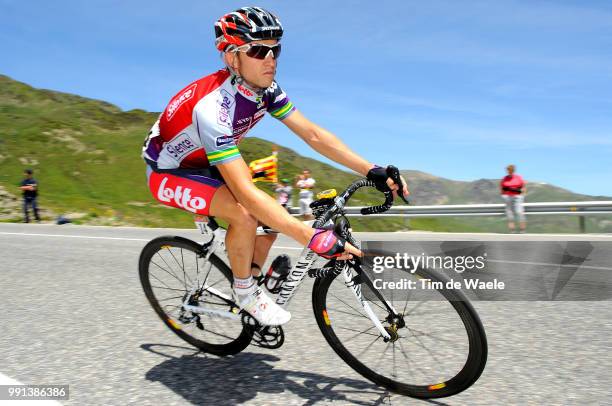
512	188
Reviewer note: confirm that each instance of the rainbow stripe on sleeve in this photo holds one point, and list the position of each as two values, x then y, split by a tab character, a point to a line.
283	111
223	155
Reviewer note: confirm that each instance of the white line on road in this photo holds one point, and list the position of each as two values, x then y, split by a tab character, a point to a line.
76	236
108	238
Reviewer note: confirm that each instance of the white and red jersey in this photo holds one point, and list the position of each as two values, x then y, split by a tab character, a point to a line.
204	122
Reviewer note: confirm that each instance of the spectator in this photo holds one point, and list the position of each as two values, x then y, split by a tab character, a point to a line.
29	186
283	193
306	184
512	191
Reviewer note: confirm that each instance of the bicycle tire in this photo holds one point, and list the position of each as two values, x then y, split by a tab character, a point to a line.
475	360
234	344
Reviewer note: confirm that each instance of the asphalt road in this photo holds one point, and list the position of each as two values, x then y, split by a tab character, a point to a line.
73	312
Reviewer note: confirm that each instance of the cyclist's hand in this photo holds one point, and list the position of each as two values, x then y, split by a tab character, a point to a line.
381	178
404	192
329	245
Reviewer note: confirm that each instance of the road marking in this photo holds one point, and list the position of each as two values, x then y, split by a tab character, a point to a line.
76	236
107	238
5	380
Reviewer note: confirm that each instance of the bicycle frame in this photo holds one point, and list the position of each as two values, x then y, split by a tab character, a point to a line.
291	285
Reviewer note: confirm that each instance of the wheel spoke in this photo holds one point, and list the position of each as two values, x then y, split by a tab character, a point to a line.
167	288
180	264
422	345
351	313
369	345
379	306
413	308
359	332
432	335
349	306
169	273
170	298
394	364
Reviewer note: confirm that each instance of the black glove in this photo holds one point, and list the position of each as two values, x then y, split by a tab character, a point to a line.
379	176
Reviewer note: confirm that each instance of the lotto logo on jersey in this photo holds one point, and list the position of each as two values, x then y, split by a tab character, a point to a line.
245	91
180	197
178	101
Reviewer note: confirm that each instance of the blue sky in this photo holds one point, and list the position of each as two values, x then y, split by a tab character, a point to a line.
458	89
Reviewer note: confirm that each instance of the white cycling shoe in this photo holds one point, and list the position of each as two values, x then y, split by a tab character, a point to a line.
264	309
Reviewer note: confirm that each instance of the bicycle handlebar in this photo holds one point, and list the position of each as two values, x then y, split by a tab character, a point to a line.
340	201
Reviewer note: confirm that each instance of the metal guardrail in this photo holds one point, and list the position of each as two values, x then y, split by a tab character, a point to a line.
497	209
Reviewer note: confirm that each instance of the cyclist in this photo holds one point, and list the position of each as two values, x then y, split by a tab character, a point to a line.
193	161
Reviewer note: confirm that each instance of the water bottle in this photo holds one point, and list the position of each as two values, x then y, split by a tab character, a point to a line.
277	273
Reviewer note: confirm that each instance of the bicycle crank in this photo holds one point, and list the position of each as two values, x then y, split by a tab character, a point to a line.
270	337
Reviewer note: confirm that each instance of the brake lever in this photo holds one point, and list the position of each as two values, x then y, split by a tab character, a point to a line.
394	174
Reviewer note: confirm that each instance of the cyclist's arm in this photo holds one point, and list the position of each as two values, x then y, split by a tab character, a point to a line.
326	143
238	178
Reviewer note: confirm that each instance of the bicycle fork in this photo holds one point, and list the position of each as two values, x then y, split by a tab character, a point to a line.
354	283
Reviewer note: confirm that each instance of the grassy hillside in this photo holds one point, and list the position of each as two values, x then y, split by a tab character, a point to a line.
86	157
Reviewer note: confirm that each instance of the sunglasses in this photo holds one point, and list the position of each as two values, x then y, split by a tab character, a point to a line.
260	51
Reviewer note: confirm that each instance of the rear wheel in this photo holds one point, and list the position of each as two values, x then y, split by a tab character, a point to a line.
438	346
173	271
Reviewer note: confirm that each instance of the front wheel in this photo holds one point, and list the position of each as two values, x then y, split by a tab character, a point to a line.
437	348
174	273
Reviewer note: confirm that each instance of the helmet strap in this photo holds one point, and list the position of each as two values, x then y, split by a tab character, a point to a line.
237	79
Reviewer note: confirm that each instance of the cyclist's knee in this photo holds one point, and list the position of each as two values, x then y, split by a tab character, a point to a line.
241	218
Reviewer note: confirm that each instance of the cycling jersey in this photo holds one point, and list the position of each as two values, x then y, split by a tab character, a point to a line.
204	122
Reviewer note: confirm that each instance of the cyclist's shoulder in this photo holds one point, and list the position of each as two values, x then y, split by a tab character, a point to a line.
183	103
203	86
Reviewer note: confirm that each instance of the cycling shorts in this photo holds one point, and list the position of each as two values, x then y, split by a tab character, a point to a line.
188	189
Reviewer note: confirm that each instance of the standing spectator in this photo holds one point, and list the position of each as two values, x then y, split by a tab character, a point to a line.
305	183
512	191
283	193
29	186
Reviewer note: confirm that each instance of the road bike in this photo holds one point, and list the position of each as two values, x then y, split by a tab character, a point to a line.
426	349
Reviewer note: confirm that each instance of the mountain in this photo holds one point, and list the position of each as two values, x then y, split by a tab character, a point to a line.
86	157
429	190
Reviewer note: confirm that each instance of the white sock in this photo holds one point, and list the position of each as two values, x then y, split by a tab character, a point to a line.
244	287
